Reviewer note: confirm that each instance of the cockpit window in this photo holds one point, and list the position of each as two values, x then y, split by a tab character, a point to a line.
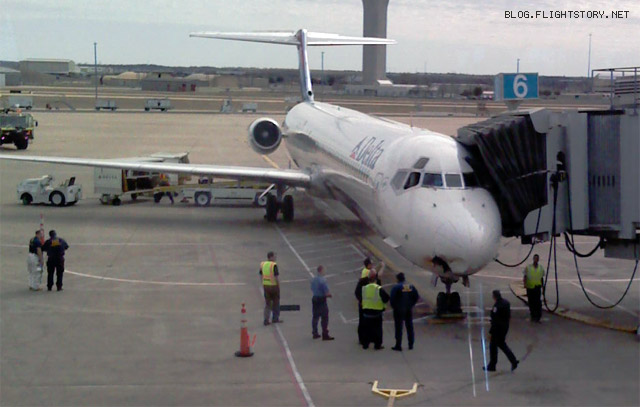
470	180
453	180
412	180
432	180
398	179
420	163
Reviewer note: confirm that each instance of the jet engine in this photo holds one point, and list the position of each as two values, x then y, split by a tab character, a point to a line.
265	135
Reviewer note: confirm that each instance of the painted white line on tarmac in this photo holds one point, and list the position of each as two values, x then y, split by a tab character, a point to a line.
294	251
125	280
303	388
357	250
606	299
563	280
344	320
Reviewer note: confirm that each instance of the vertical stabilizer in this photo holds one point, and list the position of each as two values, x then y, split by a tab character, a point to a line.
301	39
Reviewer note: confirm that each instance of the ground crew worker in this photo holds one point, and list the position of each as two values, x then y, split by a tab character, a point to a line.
55	248
532	279
367	268
35	261
320	309
358	292
373	299
164	182
271	286
500	316
403	297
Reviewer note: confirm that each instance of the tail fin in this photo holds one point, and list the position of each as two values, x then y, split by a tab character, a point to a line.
301	39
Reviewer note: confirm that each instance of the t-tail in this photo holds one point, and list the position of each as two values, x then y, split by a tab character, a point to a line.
301	39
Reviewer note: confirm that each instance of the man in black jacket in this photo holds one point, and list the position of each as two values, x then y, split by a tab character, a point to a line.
500	316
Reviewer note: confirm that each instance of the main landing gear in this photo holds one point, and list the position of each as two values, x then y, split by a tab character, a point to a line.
279	203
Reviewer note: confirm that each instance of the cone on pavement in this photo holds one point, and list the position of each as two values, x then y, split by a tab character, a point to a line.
245	342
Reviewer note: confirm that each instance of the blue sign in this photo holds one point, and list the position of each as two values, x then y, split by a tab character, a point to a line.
516	86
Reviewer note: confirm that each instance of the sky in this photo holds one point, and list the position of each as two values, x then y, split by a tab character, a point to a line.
461	36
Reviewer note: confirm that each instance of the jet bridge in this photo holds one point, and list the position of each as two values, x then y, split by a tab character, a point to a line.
582	166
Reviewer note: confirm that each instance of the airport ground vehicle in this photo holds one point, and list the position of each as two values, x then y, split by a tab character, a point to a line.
222	192
42	190
112	184
17	128
106	105
157	104
18	102
249	107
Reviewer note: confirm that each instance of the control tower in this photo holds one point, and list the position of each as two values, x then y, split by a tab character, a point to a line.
374	57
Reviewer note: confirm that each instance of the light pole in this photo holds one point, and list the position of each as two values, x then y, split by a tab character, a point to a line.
322	75
518	66
589	60
95	68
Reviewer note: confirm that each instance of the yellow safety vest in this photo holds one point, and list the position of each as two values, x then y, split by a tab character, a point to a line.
268	277
365	273
534	276
371	297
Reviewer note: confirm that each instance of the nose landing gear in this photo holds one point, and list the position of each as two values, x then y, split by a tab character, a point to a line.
447	303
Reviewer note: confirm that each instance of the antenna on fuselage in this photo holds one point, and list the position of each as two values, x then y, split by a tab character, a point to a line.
301	39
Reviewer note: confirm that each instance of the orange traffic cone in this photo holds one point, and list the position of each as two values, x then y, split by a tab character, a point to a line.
245	345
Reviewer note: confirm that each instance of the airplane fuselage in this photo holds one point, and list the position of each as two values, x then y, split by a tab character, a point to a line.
404	182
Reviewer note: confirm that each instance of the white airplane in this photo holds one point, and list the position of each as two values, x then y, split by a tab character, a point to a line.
412	186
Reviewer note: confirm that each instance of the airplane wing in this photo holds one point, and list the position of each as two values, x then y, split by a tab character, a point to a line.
294	178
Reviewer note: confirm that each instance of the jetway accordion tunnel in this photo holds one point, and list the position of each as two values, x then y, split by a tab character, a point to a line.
516	157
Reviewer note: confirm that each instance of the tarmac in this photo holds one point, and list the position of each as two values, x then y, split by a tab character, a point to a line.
150	312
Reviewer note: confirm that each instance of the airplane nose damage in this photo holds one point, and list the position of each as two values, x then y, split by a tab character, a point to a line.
465	235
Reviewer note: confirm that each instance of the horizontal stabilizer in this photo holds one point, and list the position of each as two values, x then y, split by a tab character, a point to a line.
290	38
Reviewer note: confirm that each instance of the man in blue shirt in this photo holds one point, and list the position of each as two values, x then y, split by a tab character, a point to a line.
320	309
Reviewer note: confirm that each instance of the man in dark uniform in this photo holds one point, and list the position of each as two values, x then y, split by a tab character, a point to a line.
55	248
403	297
372	297
500	316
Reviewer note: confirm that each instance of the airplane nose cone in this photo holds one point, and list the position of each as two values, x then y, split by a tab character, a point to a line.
467	232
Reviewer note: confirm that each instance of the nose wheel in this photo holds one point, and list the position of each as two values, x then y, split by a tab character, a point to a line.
448	304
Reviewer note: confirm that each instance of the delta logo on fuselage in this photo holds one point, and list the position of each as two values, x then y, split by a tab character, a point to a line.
367	152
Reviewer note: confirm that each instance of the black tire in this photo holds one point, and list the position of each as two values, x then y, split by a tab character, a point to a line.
287	208
116	202
146	109
26	199
56	198
29	107
454	303
441	304
97	109
21	143
134	197
272	208
157	196
202	198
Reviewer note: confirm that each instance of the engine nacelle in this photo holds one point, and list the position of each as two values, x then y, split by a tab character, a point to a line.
265	135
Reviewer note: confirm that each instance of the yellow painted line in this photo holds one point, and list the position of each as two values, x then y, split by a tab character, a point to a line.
269	161
521	293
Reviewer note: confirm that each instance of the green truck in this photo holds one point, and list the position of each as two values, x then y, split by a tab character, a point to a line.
17	128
